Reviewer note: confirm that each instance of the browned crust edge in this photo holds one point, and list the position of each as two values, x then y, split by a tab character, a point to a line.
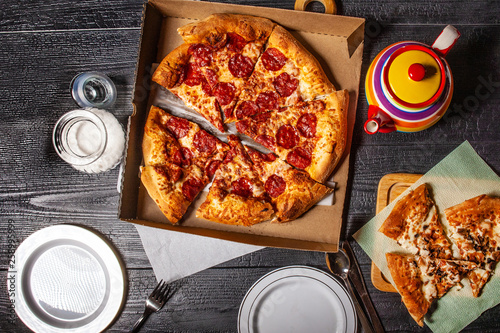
303	194
167	72
283	40
171	203
408	286
337	104
213	29
395	223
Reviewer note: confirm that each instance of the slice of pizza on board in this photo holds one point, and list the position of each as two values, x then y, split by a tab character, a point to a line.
414	224
475	228
421	280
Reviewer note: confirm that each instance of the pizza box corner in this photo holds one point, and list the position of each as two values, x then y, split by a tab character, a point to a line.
336	41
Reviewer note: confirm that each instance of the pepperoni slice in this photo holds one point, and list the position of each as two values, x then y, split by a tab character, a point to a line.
212	167
201	53
235	42
270	157
229	156
242	126
174	173
267	100
191	188
287	137
204	142
254	154
275	185
192	76
273	59
187	156
224	92
267	141
176	157
285	84
299	158
211	77
240	65
262	117
242	187
246	109
179	127
307	125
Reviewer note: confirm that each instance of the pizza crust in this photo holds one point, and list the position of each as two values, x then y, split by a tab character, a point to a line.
332	128
406	278
312	76
167	72
228	208
302	193
170	201
214	28
415	205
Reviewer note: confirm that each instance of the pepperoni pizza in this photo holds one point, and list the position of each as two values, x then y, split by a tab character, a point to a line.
239	68
180	159
251	71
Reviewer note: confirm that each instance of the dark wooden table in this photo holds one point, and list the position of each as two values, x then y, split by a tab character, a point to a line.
45	43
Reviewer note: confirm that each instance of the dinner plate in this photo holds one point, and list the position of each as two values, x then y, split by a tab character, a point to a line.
297	299
66	278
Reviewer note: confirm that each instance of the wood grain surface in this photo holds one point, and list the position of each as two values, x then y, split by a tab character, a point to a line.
45	43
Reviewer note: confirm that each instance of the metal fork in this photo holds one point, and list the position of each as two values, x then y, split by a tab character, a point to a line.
154	303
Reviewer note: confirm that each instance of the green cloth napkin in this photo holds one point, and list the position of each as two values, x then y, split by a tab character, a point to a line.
459	176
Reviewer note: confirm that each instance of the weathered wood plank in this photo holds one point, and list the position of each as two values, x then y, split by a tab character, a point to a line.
62	15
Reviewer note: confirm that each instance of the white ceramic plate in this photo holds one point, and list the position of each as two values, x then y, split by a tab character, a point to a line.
297	299
66	278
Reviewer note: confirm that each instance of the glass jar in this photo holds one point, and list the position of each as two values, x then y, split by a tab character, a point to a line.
91	140
93	89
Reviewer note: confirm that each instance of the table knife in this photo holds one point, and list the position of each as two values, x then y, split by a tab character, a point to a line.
357	280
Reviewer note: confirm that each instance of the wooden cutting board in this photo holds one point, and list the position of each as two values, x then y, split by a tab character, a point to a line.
389	188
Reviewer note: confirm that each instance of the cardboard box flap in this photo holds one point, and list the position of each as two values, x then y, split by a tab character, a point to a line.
290	19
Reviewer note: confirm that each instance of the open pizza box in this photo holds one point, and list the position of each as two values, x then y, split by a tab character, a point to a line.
336	41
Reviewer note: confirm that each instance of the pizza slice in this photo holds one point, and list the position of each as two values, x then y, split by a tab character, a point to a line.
227	47
181	73
311	136
421	280
173	188
237	194
286	74
180	158
475	228
291	191
168	138
414	224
